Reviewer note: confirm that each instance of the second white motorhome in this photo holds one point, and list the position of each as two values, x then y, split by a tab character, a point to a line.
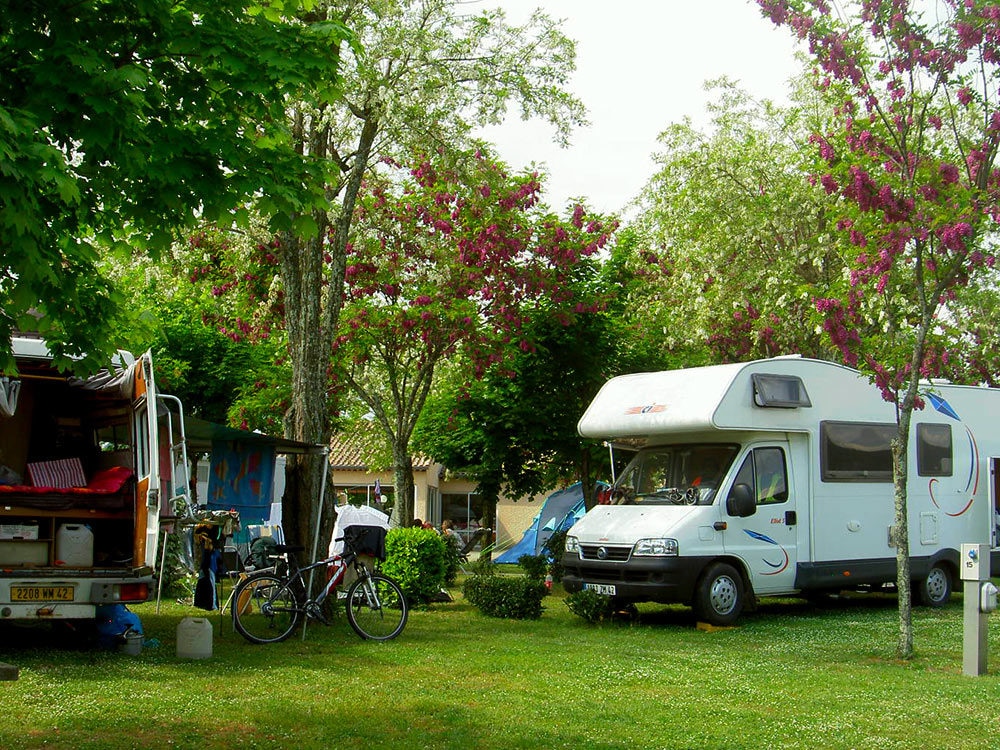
774	477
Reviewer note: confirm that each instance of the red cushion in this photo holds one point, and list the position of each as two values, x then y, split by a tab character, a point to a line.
105	482
109	480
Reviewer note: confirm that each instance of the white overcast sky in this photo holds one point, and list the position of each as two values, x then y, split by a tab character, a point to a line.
641	65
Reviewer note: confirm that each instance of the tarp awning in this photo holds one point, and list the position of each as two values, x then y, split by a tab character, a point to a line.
201	434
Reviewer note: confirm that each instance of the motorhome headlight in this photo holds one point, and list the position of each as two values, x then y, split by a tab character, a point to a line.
572	545
655	548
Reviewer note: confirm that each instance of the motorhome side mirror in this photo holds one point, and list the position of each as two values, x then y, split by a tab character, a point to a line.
740	501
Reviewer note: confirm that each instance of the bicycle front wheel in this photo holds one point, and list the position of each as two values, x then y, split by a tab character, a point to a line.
376	607
265	609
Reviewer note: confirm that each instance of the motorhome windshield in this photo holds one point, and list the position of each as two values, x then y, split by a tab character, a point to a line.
674	475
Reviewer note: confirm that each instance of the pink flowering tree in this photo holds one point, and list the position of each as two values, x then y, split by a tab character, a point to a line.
912	158
450	257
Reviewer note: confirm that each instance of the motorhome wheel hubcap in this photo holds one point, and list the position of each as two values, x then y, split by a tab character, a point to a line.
936	584
723	595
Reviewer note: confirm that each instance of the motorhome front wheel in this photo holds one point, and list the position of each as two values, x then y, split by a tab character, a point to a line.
719	596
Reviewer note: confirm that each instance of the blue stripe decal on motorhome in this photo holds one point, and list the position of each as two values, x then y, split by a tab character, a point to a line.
781	564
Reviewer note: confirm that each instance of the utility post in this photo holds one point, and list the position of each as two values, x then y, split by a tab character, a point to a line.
980	599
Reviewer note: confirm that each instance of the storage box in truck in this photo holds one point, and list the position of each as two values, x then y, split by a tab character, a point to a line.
80	486
774	477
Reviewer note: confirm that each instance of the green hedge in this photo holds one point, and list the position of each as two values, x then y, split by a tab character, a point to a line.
511	597
590	605
417	560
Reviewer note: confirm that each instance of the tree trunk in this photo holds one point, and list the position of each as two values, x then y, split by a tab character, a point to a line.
901	538
309	325
402	472
490	493
900	474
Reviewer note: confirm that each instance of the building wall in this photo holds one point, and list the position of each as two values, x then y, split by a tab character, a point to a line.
433	483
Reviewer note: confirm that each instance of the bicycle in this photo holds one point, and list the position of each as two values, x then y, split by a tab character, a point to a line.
269	604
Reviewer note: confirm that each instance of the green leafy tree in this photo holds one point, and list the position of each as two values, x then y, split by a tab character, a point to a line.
514	429
423	74
121	123
732	242
454	258
911	155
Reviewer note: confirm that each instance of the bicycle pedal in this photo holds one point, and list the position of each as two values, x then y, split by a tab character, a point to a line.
316	613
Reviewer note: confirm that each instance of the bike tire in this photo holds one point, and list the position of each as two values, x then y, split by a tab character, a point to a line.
376	607
265	608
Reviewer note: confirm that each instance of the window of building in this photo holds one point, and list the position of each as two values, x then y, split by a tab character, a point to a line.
856	451
364	494
465	509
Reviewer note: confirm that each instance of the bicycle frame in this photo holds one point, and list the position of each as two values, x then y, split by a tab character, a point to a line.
285	591
341	564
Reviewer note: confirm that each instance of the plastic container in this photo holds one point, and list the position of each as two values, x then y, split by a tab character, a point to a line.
74	545
24	553
194	638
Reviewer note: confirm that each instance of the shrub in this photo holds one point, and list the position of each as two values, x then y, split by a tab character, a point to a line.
416	559
554	548
452	560
511	597
590	605
534	566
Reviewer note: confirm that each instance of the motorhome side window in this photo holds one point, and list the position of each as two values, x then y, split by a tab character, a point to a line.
934	455
764	471
856	451
779	391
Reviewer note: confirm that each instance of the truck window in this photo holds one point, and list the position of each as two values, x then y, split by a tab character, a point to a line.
764	471
142	457
856	451
934	456
674	475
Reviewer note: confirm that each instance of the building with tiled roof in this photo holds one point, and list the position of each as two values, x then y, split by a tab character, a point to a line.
439	494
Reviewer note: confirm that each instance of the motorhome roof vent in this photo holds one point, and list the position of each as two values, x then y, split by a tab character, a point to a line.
779	391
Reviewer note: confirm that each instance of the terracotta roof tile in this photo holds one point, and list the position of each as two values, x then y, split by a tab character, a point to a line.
347	454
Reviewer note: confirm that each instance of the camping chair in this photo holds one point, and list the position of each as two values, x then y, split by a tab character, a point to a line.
477	536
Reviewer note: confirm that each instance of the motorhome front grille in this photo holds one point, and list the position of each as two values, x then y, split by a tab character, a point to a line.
605	553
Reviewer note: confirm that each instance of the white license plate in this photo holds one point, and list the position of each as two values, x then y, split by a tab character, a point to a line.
607	589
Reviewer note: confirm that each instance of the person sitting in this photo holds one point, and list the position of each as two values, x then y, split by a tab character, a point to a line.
449	533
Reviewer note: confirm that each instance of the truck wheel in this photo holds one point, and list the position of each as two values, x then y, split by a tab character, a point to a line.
718	599
935	589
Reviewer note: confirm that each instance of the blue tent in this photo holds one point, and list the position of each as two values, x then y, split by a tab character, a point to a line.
559	511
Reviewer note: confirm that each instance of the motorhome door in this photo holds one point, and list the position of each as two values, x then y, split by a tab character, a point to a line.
766	540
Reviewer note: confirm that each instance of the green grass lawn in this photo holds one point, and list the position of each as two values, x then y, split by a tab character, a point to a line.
790	676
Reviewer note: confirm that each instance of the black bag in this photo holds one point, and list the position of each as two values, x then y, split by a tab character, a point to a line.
366	540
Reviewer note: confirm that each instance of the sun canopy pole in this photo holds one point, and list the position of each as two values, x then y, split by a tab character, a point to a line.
319	524
322	495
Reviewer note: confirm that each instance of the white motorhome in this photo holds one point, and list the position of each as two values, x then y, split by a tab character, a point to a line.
81	485
774	477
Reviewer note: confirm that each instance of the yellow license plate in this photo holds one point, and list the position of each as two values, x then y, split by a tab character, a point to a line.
41	593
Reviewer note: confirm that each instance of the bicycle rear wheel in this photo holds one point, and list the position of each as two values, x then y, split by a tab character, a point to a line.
376	607
265	609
